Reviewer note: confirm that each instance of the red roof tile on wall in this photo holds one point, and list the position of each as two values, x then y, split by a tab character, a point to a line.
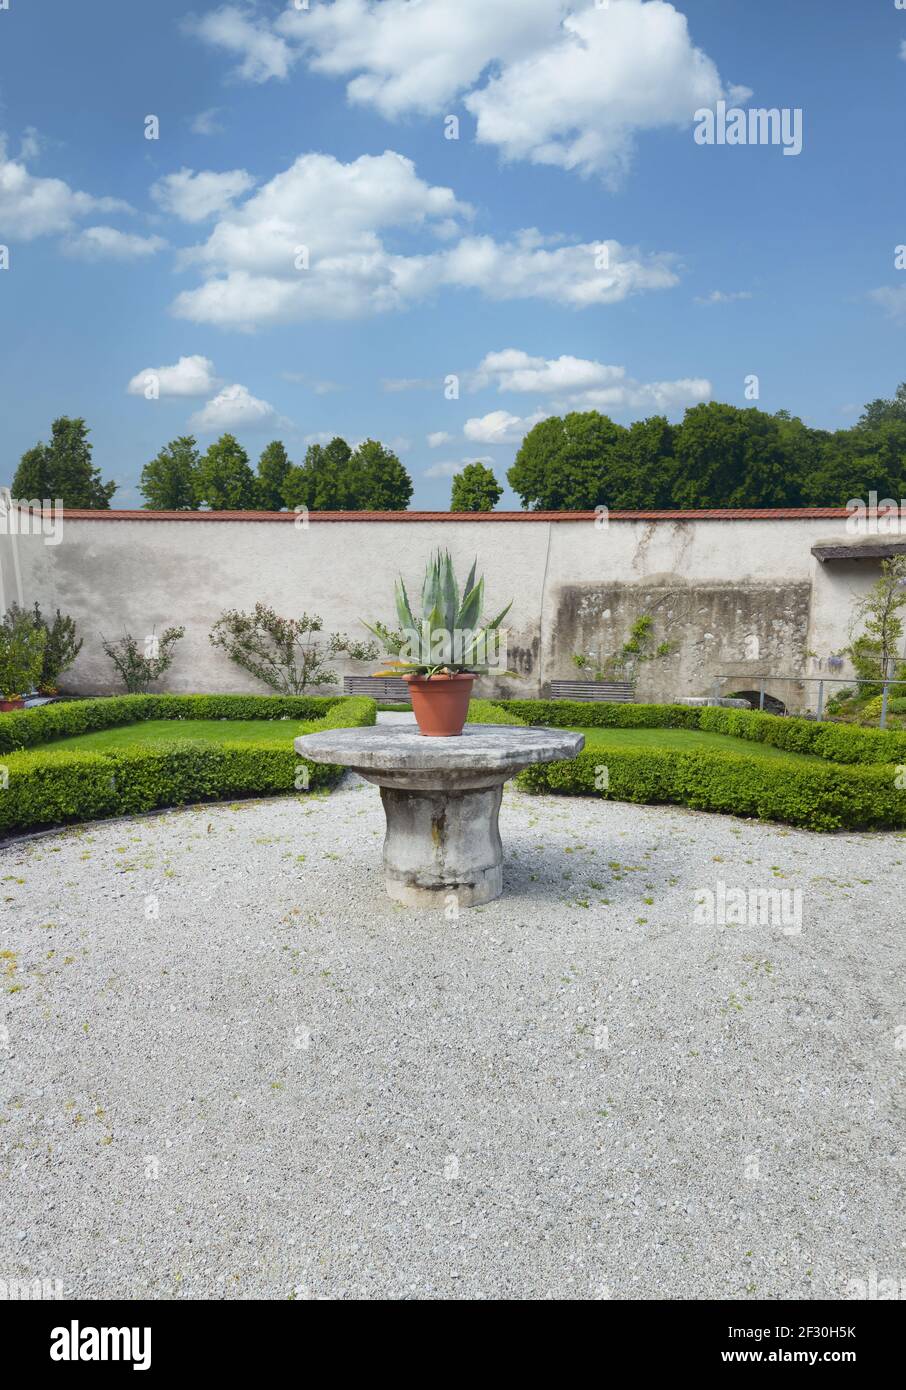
715	514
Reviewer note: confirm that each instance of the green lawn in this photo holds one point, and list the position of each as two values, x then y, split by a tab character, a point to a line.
281	731
685	741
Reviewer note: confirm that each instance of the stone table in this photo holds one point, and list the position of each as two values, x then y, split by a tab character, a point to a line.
441	798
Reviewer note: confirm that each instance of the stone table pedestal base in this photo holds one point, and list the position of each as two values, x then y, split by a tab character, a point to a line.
443	846
441	798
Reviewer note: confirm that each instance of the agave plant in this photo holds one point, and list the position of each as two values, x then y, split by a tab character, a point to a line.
450	637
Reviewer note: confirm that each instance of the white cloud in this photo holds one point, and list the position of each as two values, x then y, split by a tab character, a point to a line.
190	376
437	438
577	382
333	215
263	52
206	122
417	57
449	468
891	300
108	244
722	297
578	102
500	427
656	396
513	370
555	81
233	408
193	197
308	244
31	206
527	268
561	82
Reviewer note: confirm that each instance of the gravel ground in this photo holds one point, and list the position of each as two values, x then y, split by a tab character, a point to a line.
232	1069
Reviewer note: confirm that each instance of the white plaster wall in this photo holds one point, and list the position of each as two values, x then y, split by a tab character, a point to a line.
145	575
24	564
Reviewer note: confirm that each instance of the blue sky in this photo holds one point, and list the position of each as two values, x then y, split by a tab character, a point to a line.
430	257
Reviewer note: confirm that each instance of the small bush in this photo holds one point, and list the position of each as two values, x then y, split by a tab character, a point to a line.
61	647
896	704
21	653
138	667
284	653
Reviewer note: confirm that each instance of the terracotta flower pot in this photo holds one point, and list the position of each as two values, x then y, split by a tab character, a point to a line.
17	703
440	703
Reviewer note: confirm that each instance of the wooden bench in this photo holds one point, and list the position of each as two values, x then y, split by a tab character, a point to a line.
387	689
619	692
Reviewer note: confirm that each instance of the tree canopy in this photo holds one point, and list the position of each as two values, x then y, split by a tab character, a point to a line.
273	466
475	489
224	480
62	470
169	481
333	478
718	456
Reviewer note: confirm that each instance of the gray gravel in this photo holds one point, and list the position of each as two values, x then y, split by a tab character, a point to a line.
284	1086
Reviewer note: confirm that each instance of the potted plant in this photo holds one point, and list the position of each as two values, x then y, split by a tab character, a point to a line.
440	654
21	658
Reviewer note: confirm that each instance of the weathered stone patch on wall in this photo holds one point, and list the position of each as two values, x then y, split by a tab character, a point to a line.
716	630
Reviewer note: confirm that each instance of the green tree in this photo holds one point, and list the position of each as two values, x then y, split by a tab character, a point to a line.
731	457
225	482
639	471
31	482
62	470
880	412
321	482
561	463
168	482
375	480
273	467
21	653
852	463
475	489
876	650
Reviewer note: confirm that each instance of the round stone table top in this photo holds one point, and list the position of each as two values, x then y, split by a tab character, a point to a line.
501	749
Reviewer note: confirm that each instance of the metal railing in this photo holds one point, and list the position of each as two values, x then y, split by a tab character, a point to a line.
886	682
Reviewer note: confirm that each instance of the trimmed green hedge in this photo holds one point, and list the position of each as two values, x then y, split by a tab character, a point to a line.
831	797
29	727
487	712
855	790
838	743
52	786
564	714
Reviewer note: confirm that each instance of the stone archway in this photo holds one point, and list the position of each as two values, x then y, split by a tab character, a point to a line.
772	705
